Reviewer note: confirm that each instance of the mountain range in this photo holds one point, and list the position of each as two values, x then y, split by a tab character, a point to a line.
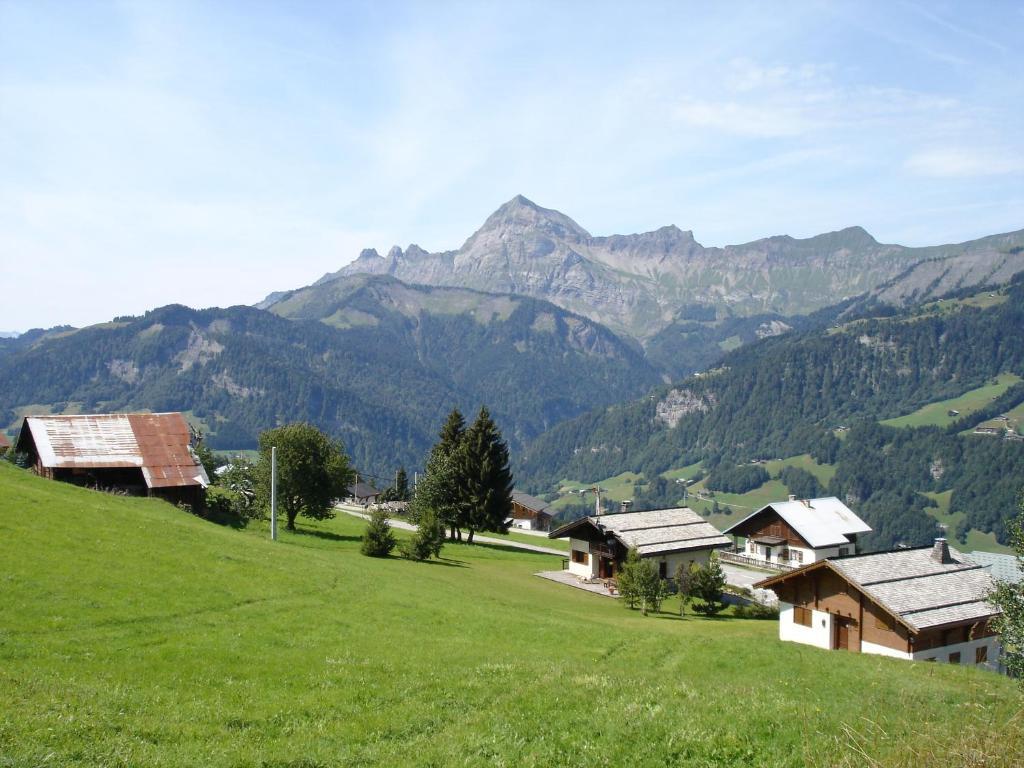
532	316
640	284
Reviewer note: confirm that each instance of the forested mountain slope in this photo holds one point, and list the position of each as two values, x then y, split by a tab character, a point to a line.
786	396
382	383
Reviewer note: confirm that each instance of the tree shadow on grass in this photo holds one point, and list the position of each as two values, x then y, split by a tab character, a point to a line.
329	535
447	562
503	548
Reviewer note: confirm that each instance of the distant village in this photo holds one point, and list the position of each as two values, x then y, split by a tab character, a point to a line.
800	556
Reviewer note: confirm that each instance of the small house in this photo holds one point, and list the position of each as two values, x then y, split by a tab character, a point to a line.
529	513
599	544
5	444
925	604
799	531
362	493
145	454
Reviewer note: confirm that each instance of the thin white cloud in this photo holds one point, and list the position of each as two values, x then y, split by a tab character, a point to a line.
964	162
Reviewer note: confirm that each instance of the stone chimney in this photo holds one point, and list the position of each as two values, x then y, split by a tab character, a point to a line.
940	552
792	497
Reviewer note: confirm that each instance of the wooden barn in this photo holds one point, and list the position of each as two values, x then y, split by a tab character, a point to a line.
925	604
144	454
529	513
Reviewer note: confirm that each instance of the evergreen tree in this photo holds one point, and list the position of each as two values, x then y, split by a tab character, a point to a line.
440	488
378	538
428	539
401	485
628	579
486	480
708	583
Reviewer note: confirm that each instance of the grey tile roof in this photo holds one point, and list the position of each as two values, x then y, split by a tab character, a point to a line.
921	591
1002	567
663	530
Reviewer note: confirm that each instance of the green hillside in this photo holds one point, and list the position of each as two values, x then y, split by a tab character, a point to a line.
940	414
134	634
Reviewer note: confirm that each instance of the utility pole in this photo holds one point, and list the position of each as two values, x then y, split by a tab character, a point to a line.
273	494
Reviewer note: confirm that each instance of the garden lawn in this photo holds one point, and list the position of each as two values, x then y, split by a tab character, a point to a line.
134	634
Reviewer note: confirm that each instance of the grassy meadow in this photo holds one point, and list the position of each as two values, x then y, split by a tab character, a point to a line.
937	414
133	634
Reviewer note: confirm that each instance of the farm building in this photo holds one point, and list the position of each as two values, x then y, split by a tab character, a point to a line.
793	533
146	454
668	537
5	444
529	513
926	604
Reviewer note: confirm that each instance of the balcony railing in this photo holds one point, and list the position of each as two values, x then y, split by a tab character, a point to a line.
754	562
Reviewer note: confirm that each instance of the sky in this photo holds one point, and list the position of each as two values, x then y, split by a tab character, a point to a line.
208	153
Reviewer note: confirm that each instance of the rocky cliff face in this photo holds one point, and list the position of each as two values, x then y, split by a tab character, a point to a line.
637	284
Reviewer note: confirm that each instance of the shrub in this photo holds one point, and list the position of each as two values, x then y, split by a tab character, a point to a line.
755	610
707	585
379	539
427	541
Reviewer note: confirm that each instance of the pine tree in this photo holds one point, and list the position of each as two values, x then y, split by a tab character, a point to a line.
708	583
401	485
486	480
378	539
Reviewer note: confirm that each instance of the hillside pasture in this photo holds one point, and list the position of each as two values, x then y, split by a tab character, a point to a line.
136	634
938	414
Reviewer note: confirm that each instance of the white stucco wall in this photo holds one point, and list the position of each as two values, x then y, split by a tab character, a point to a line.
882	650
526	524
809	555
967	652
672	561
586	570
819	634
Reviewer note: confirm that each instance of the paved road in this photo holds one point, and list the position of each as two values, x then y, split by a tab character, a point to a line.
746	577
404	526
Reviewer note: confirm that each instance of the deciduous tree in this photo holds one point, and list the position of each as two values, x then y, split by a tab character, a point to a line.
312	471
1010	599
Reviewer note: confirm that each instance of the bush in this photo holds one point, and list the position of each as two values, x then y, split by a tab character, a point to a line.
756	610
706	587
427	541
640	585
379	539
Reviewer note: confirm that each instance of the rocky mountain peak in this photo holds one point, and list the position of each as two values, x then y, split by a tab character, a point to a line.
521	215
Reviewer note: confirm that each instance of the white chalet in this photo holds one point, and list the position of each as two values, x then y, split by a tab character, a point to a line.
799	531
599	544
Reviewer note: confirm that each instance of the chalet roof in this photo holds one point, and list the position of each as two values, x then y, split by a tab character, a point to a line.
910	584
362	490
156	443
654	532
1002	567
530	502
822	522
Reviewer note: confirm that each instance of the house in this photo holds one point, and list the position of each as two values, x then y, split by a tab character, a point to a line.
362	493
926	604
797	532
145	454
529	513
1006	568
5	444
598	545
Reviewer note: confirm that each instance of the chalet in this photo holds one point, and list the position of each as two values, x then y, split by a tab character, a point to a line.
5	444
797	532
530	513
668	537
145	454
363	493
926	604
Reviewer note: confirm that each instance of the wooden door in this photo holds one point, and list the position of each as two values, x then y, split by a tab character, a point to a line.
842	634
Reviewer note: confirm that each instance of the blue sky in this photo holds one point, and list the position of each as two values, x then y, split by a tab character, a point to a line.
209	153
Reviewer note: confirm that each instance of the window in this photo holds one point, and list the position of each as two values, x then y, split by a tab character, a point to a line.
954	658
801	616
796	556
579	557
662	570
843	551
981	654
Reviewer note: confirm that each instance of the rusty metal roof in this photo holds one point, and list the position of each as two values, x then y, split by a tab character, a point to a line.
156	443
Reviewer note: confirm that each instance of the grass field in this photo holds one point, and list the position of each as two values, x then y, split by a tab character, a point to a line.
133	634
937	414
